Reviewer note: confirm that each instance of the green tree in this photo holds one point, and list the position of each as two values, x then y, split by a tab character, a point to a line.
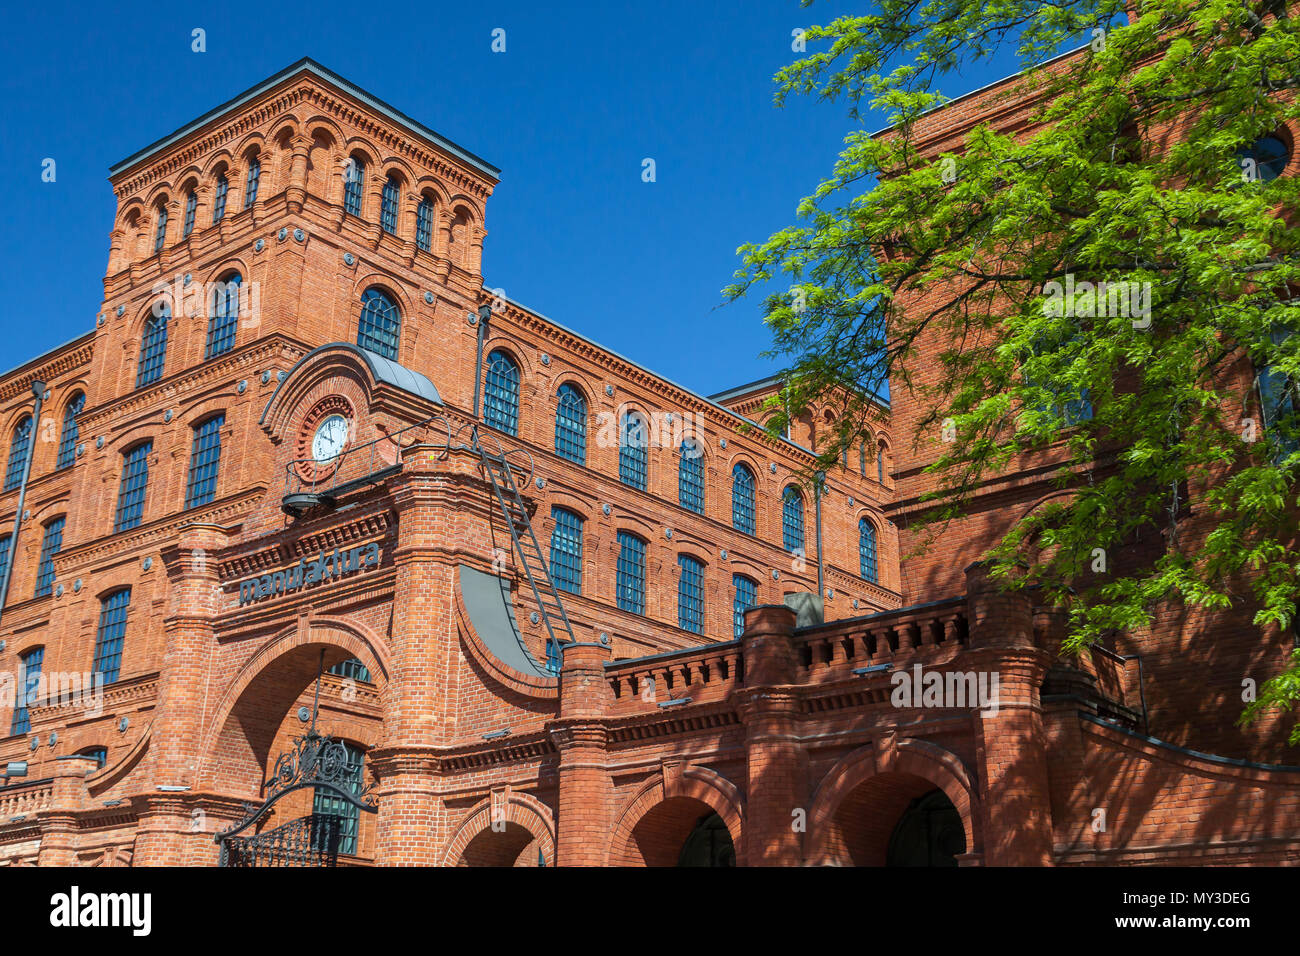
974	253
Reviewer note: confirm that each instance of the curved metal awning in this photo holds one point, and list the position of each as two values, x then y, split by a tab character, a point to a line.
491	610
384	370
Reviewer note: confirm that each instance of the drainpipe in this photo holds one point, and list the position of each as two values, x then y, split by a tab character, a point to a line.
484	313
820	480
38	389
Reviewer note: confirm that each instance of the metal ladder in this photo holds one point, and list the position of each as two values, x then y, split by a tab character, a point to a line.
550	609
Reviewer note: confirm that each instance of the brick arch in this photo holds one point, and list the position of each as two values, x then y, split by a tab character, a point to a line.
348	637
521	809
908	758
705	786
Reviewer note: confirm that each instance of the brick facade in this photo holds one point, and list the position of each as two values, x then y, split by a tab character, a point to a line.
655	743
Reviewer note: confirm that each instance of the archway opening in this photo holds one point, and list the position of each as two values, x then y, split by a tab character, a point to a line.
896	819
681	831
512	846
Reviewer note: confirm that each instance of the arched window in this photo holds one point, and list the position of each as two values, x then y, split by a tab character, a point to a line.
219	200
153	345
746	597
20	447
630	573
68	440
862	459
501	393
112	634
388	205
880	463
353	176
1265	159
690	476
224	316
424	224
566	550
135	481
742	499
29	683
51	542
571	424
633	464
160	233
254	174
205	460
792	527
380	325
867	551
329	804
191	204
690	595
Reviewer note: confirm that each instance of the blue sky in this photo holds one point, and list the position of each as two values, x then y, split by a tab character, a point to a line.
583	93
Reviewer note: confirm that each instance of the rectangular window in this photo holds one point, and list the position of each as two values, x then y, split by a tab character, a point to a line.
135	479
340	816
191	203
254	174
219	201
690	595
112	633
205	459
19	449
424	226
160	237
566	550
4	554
28	688
50	545
352	177
630	573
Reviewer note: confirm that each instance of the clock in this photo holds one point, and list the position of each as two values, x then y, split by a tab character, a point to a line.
330	439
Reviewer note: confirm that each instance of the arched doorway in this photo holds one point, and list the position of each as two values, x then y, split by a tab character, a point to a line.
929	833
511	846
681	831
709	844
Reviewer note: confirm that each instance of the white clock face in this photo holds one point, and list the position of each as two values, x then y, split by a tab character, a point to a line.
331	435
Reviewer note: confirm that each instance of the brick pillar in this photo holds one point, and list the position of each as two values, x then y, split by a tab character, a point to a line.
1011	740
441	521
59	819
769	705
296	190
586	801
167	833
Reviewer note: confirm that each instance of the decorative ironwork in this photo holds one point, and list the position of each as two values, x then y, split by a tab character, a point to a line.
308	841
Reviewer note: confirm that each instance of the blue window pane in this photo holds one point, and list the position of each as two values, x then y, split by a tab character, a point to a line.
867	550
380	326
862	459
250	190
1269	155
160	236
566	550
633	438
224	316
690	476
630	573
219	200
4	554
690	595
135	479
352	669
792	528
191	204
1278	407
880	464
424	225
26	692
501	394
742	500
20	447
50	545
153	346
205	460
388	207
746	597
353	176
112	632
328	803
68	440
571	424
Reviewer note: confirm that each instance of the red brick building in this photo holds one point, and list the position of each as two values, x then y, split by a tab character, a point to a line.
320	550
